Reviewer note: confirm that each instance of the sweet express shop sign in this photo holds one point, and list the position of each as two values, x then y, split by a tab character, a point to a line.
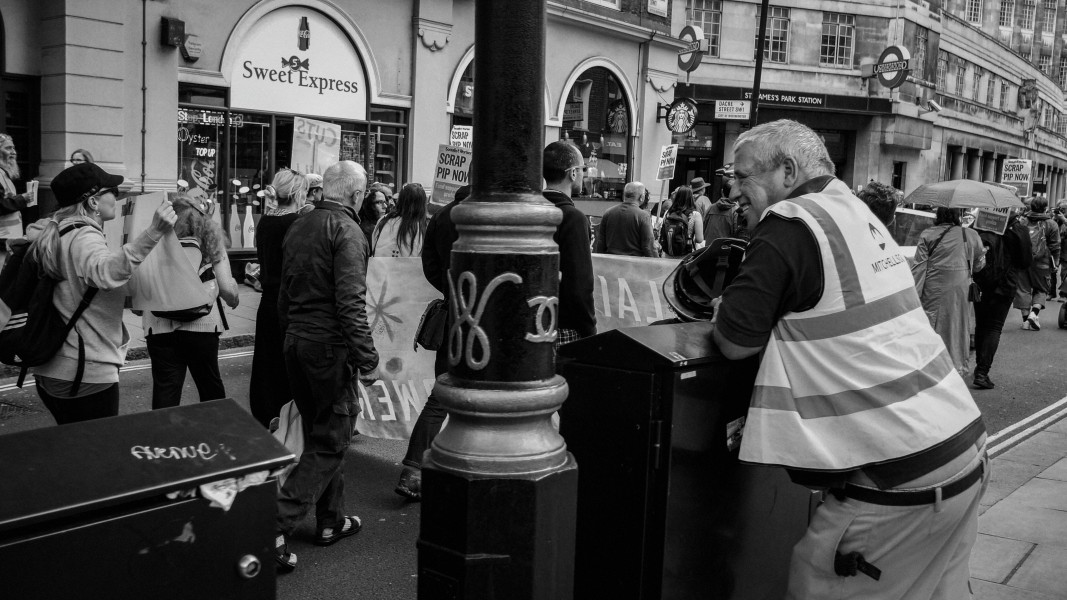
296	60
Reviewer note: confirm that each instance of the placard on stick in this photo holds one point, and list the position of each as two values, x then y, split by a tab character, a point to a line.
450	173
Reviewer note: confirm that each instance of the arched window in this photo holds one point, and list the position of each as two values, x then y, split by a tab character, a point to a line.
597	119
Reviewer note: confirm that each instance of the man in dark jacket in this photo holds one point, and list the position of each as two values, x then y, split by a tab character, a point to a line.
323	315
1006	255
626	229
562	169
436	257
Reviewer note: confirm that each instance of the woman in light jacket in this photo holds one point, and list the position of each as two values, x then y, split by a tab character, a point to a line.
942	278
175	345
72	248
401	231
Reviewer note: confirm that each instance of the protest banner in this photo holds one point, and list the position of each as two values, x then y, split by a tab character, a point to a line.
668	157
986	219
316	145
626	293
450	174
462	136
1018	173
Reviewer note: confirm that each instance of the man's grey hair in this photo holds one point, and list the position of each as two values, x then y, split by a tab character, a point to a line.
634	192
778	140
342	179
11	169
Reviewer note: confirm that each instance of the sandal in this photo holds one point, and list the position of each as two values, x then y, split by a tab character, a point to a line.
329	535
283	559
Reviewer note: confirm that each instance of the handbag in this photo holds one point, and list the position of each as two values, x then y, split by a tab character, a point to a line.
430	333
974	293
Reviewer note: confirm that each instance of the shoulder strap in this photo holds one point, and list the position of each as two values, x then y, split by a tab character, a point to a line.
71	227
941	237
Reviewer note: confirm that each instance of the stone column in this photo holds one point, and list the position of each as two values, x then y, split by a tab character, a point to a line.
990	164
499	487
957	158
974	165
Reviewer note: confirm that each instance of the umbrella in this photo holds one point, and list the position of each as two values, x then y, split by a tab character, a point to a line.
965	193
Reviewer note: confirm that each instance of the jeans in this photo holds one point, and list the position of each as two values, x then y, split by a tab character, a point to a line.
428	425
989	316
85	408
324	390
172	353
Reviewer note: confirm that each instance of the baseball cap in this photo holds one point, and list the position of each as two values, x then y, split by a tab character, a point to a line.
314	180
76	184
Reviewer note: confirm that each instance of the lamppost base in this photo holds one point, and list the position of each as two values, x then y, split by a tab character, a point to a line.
499	536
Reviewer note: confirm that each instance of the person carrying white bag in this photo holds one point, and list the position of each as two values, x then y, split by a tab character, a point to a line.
188	338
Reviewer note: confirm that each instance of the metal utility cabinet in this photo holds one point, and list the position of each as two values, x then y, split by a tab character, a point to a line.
84	511
665	509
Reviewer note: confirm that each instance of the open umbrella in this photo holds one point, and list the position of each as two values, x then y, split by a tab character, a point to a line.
965	193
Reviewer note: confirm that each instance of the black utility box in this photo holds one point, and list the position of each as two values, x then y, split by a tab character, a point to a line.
84	511
665	509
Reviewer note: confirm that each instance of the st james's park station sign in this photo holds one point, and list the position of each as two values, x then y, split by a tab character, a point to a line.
296	60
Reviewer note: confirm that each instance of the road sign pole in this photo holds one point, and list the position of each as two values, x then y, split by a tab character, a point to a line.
764	9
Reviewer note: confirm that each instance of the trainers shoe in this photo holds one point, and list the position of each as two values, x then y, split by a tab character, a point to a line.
1026	326
1033	321
283	559
410	484
982	382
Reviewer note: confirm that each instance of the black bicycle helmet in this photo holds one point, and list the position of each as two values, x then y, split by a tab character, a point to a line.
701	277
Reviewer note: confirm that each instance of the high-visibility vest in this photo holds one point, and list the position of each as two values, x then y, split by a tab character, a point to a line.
861	378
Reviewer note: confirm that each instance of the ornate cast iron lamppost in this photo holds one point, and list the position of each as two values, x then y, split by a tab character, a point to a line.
499	487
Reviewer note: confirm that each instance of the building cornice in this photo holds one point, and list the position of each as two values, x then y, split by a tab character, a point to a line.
602	24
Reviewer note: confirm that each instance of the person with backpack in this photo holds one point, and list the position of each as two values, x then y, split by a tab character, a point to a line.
189	339
1033	287
682	229
81	381
1006	256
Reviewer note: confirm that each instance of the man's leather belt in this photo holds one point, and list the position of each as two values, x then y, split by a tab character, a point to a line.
910	497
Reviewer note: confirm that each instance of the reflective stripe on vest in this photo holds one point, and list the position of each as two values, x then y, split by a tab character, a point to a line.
861	378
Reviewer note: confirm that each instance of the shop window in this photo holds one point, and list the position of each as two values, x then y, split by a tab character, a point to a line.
387	145
597	119
776	45
229	157
463	103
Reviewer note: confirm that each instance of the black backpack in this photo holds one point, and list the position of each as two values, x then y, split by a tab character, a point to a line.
35	331
998	264
674	236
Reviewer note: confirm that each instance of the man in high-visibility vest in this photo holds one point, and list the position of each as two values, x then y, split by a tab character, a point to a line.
856	393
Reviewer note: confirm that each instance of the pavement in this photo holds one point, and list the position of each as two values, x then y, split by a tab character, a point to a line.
1021	553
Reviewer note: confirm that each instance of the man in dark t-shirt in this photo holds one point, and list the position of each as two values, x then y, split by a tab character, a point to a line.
626	229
